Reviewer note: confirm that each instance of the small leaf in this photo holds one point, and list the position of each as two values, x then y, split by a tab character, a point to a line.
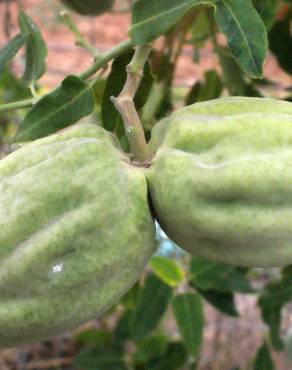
208	275
167	270
267	9
151	348
222	301
101	358
280	38
189	315
10	50
66	105
152	304
35	49
174	359
273	298
263	360
210	89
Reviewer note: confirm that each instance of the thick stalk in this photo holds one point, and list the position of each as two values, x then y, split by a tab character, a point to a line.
124	103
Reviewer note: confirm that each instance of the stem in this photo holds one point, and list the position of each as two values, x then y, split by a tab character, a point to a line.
17	105
98	63
106	57
124	103
79	38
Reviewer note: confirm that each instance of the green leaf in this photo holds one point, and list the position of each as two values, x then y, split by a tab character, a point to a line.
263	360
35	49
237	19
102	358
273	298
151	348
10	50
112	120
222	301
245	33
208	275
267	9
123	328
93	337
152	304
233	76
280	38
189	315
151	18
174	358
167	270
66	105
210	89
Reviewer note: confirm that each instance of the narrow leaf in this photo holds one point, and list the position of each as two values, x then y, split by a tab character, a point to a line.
207	275
222	301
152	304
263	360
167	270
10	50
174	359
273	298
35	49
66	105
188	312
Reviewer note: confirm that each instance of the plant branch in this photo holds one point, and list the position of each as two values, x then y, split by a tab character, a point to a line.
124	103
79	38
98	63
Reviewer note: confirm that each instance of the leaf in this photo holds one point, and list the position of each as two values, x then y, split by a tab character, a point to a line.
167	270
222	301
237	19
280	38
245	33
151	18
112	120
152	304
123	328
174	358
35	49
267	9
233	75
273	298
93	337
210	89
208	275
263	360
151	348
66	105
189	315
101	358
10	50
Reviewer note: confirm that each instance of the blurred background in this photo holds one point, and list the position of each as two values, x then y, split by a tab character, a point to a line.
230	339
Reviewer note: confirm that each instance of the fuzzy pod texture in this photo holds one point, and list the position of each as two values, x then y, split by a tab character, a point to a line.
221	180
75	232
89	7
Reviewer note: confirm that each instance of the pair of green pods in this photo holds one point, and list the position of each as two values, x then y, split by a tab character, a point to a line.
77	217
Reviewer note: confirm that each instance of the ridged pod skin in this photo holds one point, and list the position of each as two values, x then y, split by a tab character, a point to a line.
89	7
221	180
75	232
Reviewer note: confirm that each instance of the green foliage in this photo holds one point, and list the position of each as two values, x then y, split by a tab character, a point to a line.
137	333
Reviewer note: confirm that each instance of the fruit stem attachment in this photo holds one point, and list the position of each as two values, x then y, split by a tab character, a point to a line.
124	103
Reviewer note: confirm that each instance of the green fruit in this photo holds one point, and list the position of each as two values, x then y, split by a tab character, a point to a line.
76	232
89	7
221	180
